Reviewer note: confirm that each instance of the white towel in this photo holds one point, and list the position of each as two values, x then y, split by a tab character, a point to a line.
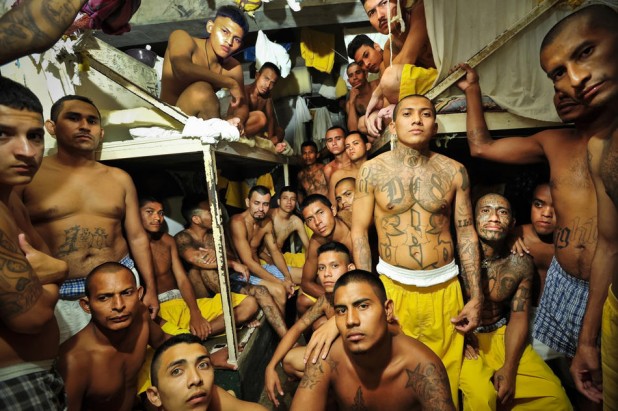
267	51
210	131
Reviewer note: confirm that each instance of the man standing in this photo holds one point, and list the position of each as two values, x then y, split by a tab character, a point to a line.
411	194
194	69
356	147
100	364
311	178
369	367
81	207
29	279
500	365
179	306
253	229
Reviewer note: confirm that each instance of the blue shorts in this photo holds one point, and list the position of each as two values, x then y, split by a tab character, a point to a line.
561	310
42	390
75	288
237	279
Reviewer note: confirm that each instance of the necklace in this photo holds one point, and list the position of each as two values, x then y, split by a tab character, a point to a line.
487	261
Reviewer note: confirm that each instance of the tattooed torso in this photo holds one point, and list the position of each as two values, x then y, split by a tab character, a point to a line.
507	286
413	207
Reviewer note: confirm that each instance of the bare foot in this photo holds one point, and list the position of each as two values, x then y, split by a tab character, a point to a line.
219	360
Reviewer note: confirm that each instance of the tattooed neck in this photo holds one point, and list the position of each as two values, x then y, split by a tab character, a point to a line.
411	156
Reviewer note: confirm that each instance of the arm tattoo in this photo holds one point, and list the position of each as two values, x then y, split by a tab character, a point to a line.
431	385
19	286
313	375
183	242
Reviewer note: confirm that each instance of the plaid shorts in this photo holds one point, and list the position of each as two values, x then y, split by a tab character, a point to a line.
561	310
42	390
76	287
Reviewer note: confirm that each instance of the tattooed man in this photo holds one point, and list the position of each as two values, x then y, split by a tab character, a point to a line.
311	178
369	367
81	207
29	279
410	194
498	354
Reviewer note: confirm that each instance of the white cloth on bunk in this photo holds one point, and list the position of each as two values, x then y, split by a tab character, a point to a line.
210	131
321	123
301	116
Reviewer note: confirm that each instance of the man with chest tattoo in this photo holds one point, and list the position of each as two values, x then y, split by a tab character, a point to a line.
410	194
370	367
81	208
500	367
311	178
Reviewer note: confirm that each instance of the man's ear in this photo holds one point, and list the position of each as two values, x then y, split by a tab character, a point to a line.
50	126
279	202
351	267
367	146
377	47
209	26
247	202
391	127
85	304
140	292
153	396
334	210
195	219
389	307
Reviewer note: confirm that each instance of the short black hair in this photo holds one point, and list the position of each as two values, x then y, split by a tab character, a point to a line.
350	65
272	66
336	128
261	190
191	206
105	268
362	276
287	189
597	15
433	107
185	338
57	106
357	42
313	198
18	97
236	15
343	180
309	143
143	200
335	246
362	136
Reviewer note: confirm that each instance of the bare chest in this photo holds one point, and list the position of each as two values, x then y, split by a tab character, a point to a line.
609	168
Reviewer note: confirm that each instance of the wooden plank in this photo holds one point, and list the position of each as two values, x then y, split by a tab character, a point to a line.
490	48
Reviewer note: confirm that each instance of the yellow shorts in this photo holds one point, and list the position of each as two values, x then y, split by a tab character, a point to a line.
425	313
294	259
536	386
609	352
312	298
177	312
416	80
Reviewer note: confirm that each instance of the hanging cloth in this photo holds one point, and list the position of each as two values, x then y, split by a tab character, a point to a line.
318	49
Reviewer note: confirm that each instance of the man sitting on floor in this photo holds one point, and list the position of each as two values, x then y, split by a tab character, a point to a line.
500	366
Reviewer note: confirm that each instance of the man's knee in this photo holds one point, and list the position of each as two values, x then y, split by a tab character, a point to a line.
247	308
199	97
390	82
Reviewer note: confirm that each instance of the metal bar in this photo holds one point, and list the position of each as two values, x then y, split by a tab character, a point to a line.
210	168
490	48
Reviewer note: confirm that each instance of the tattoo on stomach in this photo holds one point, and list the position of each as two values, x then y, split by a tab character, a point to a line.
79	239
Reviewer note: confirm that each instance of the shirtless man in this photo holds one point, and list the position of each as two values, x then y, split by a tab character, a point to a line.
196	246
81	207
572	191
261	110
183	378
537	238
253	229
411	193
311	178
286	223
356	147
500	366
335	144
370	367
359	94
334	260
344	196
179	306
28	282
580	57
194	69
321	217
100	364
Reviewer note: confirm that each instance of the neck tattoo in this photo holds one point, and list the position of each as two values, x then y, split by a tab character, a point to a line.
487	261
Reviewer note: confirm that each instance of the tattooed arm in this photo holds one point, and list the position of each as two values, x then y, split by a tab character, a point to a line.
34	26
513	150
362	216
516	335
189	251
312	390
430	384
468	246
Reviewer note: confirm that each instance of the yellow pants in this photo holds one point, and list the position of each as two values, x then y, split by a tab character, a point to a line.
536	386
416	80
294	259
425	313
609	352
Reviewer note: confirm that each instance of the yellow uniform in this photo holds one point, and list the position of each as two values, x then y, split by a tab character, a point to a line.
609	352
